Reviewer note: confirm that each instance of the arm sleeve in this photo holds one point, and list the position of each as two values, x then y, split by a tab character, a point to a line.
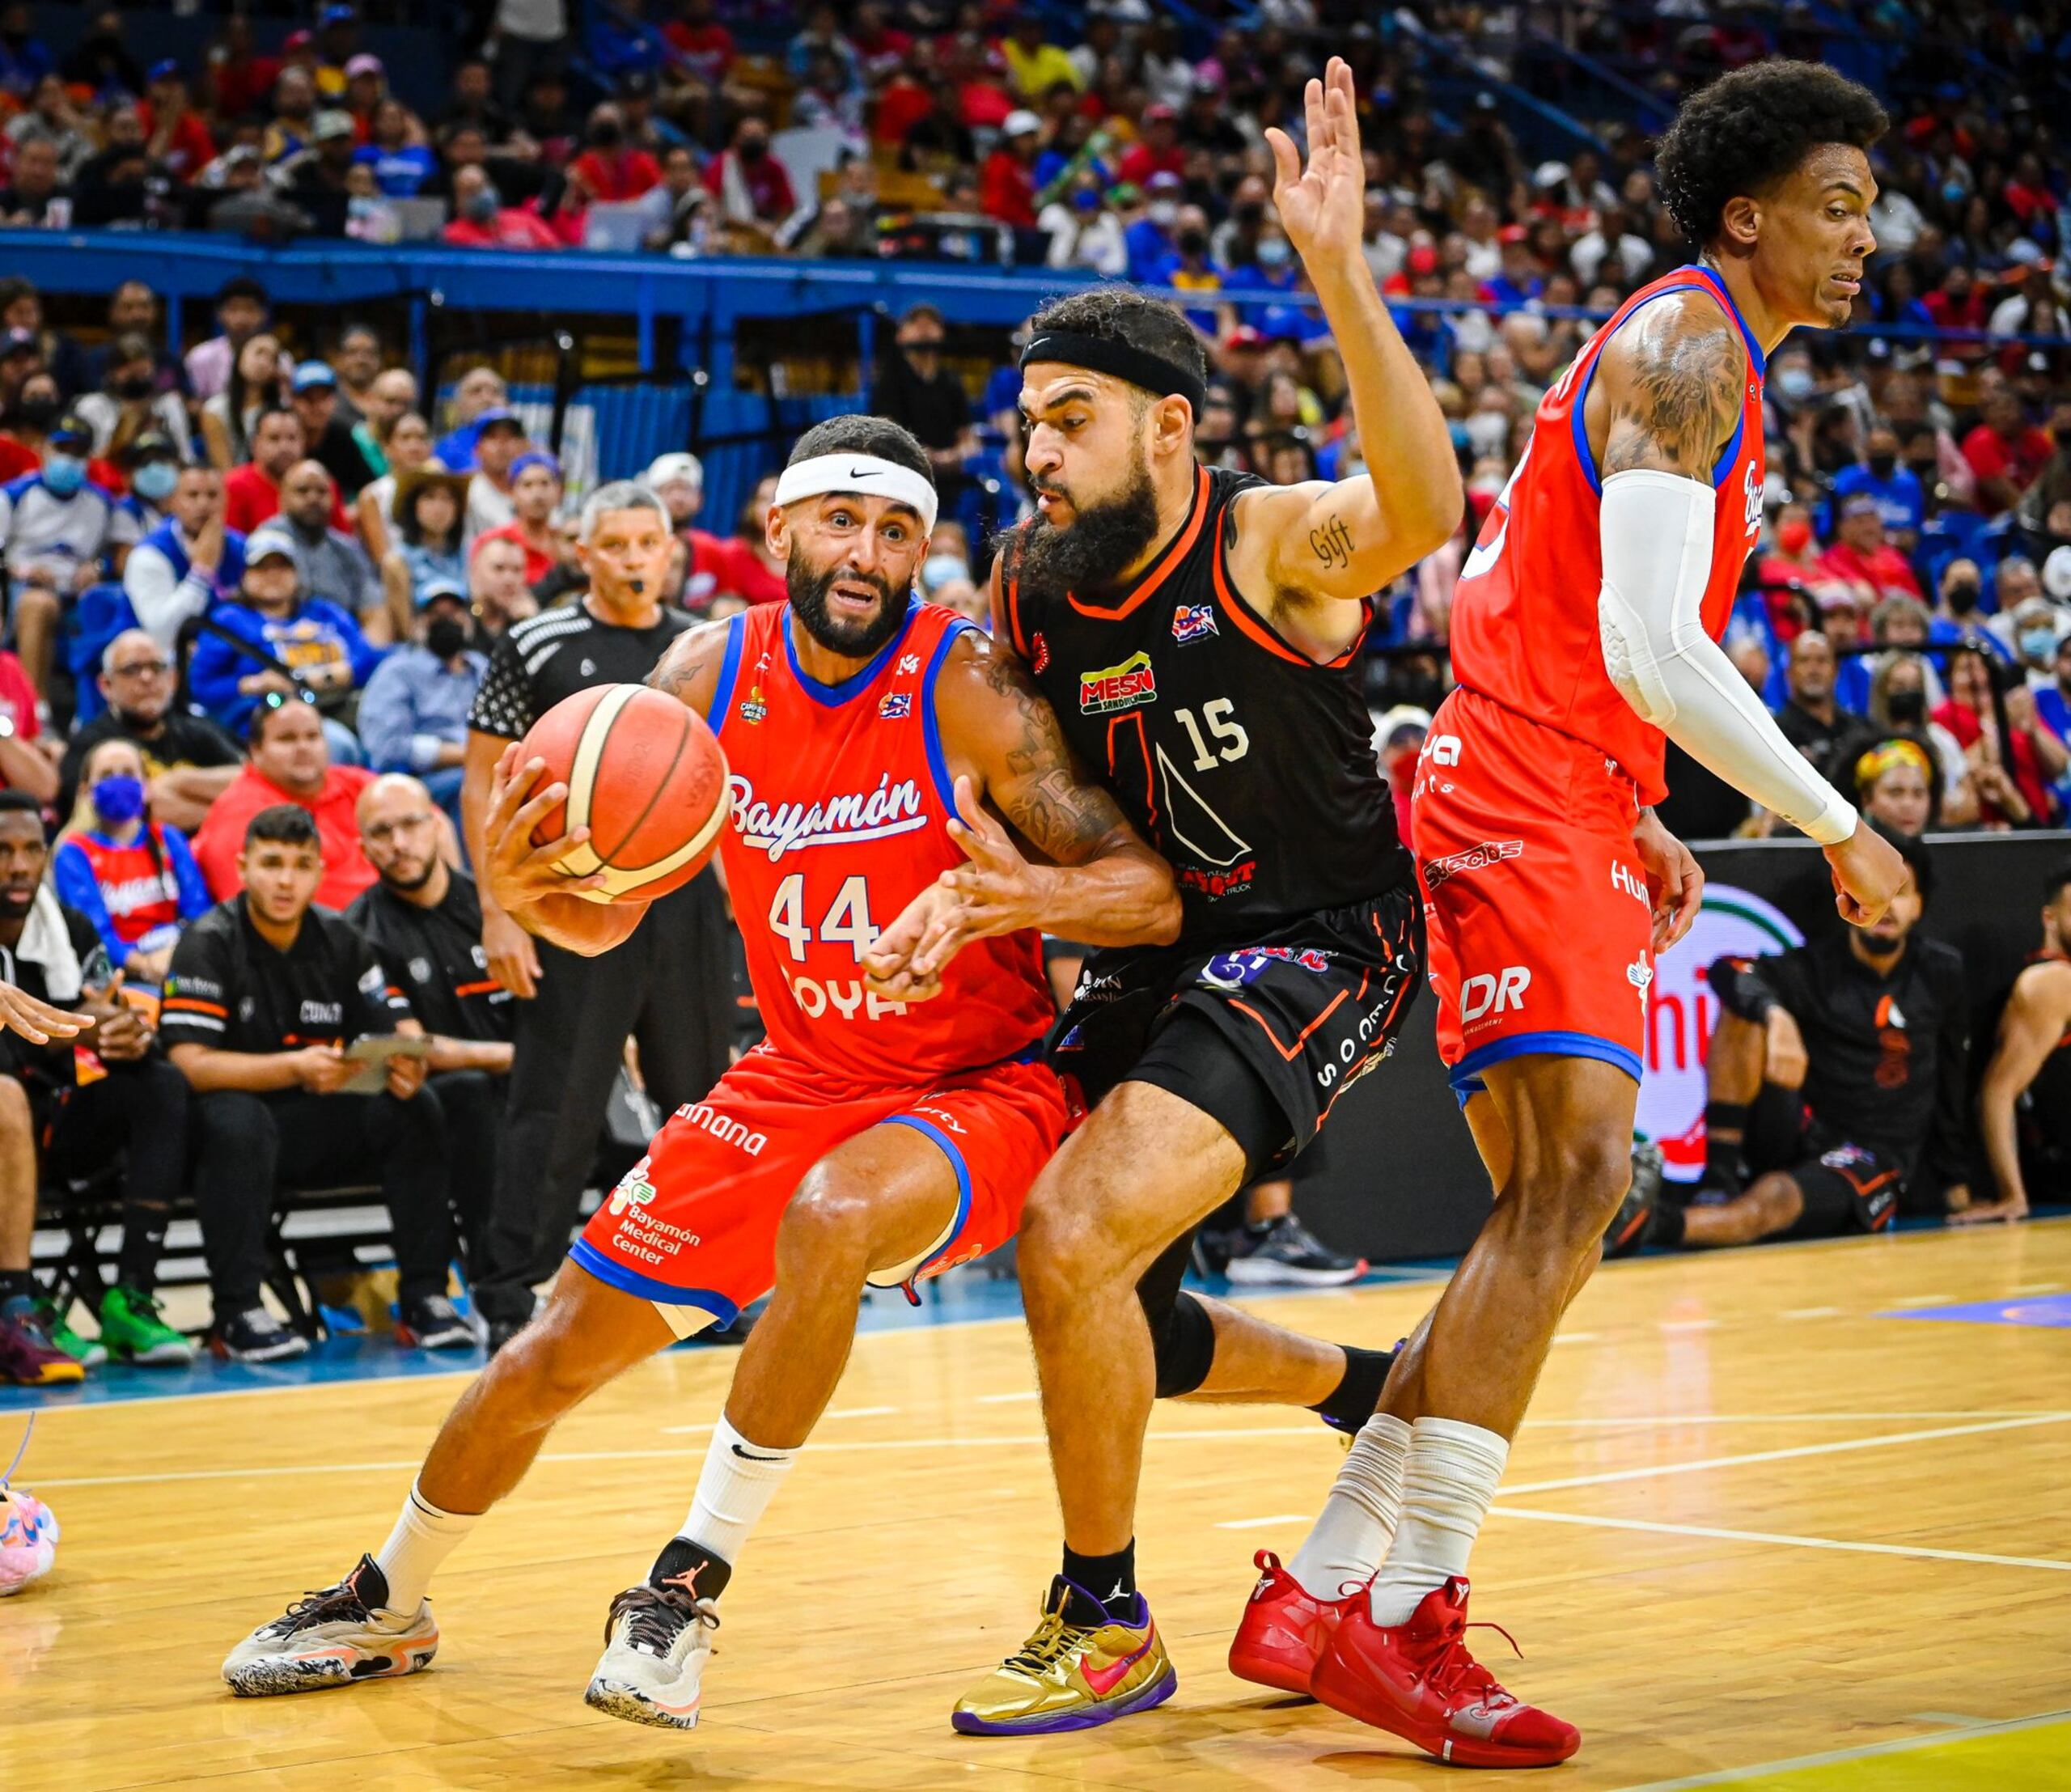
73	872
194	898
385	717
1657	530
504	704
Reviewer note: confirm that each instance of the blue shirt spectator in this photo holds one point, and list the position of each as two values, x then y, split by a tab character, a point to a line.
319	643
400	172
413	713
1901	503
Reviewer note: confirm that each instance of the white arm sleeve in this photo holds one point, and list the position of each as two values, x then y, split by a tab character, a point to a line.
1657	559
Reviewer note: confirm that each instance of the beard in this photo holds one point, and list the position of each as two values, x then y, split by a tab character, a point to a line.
393	876
1104	541
807	586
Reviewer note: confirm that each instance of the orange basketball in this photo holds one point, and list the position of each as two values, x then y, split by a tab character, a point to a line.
647	778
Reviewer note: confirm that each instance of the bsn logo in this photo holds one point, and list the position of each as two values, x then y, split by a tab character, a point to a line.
1484	995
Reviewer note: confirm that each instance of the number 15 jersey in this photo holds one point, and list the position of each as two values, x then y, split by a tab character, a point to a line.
1248	765
841	796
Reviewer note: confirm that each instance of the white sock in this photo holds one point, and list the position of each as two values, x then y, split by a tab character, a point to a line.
1346	1543
424	1536
739	1481
1446	1486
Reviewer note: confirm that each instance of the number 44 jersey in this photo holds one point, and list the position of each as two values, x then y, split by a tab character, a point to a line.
1250	766
841	796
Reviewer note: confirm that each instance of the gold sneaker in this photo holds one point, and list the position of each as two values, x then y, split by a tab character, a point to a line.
1072	1673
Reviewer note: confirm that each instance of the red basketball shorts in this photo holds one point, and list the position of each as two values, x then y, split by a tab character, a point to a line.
693	1226
1539	915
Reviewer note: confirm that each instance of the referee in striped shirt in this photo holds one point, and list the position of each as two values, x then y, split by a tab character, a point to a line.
669	987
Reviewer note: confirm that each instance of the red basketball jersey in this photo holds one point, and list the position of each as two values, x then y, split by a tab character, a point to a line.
1524	629
841	795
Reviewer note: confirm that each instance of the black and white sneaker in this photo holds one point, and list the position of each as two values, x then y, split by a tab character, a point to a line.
332	1638
1632	1225
433	1322
1285	1254
656	1643
255	1335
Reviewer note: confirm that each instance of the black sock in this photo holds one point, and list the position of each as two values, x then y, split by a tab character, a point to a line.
679	1556
1110	1579
143	1242
1352	1401
1725	1130
1667	1226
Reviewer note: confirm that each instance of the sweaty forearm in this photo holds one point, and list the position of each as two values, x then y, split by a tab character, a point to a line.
1124	896
2002	1145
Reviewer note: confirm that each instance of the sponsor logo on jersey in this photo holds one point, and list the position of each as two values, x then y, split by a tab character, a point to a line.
1233	970
1502	993
782	827
1639	974
895	707
131	893
420	970
1193	622
1219	884
1622	879
332	1014
753	709
727	1130
908	664
1489	852
1753	494
633	1190
1122	687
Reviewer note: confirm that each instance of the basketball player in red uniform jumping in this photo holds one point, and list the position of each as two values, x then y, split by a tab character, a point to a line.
867	1139
1584	631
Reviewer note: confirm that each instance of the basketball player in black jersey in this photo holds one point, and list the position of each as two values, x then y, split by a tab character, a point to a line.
1198	635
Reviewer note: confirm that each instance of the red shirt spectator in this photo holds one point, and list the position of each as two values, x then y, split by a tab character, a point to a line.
750	183
2016	457
1006	188
250	497
539	561
733	566
2021	765
1956	304
1881	567
614	174
706	44
346	871
904	103
16	459
505	228
1159	152
189	149
17	701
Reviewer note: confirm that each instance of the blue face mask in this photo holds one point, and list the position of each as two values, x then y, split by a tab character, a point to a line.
64	473
1795	383
154	480
939	568
118	797
1273	251
2038	645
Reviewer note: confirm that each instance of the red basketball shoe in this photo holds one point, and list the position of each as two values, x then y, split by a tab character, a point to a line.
1418	1682
1284	1629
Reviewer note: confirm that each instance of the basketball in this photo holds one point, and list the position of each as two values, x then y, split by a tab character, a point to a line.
647	778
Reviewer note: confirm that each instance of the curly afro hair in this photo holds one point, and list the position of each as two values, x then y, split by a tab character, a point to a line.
1749	129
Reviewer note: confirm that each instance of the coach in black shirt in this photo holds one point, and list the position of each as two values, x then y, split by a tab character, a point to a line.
265	992
1839	1072
669	986
425	921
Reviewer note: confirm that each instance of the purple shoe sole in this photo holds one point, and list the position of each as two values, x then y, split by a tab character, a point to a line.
1152	1696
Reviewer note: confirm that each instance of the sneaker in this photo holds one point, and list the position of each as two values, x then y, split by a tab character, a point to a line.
656	1643
1632	1223
133	1332
28	1539
1209	1256
1284	1629
1085	1664
255	1335
1287	1255
332	1638
89	1353
1418	1681
433	1322
28	1358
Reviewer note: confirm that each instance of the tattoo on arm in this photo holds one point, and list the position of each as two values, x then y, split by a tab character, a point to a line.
688	658
1331	542
1683	399
1046	796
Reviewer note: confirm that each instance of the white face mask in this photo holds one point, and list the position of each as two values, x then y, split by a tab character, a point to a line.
1163	213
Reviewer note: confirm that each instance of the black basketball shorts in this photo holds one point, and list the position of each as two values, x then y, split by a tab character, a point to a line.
1265	1035
1847	1187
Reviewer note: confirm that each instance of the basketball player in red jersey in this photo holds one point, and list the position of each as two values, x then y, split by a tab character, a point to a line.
867	1139
1584	631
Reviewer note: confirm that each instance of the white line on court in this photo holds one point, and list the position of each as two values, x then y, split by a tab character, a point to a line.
1813	1312
1001	1399
858	1412
1923	1300
1771	1536
1270	1518
1831	1449
1574	1337
1687	1324
2035	1287
1670	1421
1902	1745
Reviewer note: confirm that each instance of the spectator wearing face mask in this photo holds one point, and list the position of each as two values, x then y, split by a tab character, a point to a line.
133	878
1901	503
413	714
481	220
152	464
1083	232
129	403
1150	238
1956	619
2033	629
750	185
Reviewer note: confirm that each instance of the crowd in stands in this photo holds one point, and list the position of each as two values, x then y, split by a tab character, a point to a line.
253	577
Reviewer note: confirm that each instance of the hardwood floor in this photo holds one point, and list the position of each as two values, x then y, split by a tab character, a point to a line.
1770	1523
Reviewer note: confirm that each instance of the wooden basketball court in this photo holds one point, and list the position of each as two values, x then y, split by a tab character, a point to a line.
1775	1523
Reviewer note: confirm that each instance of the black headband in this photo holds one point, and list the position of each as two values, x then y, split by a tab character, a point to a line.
1138	367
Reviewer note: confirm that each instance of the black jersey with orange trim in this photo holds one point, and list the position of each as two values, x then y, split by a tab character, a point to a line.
1249	765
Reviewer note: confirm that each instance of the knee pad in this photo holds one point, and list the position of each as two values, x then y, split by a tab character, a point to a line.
1182	1344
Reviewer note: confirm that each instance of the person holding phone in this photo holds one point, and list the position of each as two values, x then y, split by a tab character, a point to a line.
265	993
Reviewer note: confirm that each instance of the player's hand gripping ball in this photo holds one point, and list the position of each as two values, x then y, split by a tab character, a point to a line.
645	775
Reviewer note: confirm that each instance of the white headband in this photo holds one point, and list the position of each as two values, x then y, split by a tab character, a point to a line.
862	473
